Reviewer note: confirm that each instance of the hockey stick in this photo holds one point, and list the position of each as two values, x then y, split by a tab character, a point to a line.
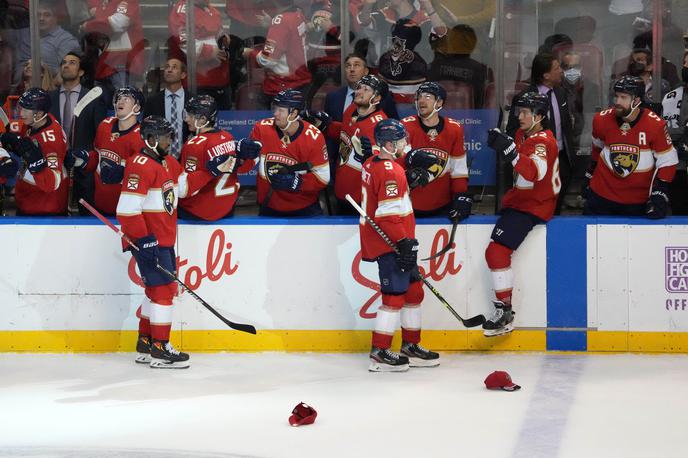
238	326
447	247
472	322
90	96
298	167
4	119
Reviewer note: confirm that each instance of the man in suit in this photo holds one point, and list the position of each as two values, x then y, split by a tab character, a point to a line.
336	102
546	78
169	103
82	130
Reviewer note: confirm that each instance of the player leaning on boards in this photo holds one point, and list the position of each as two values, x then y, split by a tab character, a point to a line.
437	170
638	159
532	200
212	160
385	198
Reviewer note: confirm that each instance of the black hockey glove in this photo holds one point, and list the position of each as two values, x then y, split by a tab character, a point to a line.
421	158
658	203
461	208
10	141
319	119
417	177
110	173
502	144
148	249
32	154
585	193
221	164
248	149
9	164
286	181
365	152
76	159
407	258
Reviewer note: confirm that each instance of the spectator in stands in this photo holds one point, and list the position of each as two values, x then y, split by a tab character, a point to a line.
640	64
582	94
546	78
453	62
80	131
211	41
324	47
284	55
375	24
253	17
403	69
123	56
56	42
644	41
675	112
47	80
170	102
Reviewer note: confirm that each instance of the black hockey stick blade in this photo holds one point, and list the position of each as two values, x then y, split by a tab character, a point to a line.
447	247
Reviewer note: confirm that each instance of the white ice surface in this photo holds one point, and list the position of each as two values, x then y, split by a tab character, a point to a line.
92	405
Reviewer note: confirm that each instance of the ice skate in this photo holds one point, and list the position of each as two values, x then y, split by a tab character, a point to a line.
502	322
165	356
385	360
143	345
419	356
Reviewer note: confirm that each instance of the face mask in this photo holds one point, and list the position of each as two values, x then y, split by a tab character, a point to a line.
684	74
572	75
636	68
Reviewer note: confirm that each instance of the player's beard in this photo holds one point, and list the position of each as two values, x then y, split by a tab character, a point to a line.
622	112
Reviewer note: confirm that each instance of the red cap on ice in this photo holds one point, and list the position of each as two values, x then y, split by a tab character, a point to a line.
500	380
303	414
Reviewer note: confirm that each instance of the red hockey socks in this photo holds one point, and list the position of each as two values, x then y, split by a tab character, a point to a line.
498	259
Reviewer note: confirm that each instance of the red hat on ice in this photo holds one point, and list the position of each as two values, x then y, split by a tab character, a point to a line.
500	380
303	414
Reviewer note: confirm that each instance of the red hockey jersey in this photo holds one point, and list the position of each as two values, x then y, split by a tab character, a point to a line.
284	53
348	174
385	198
148	202
306	145
627	156
450	176
536	175
45	193
120	20
116	146
209	198
210	71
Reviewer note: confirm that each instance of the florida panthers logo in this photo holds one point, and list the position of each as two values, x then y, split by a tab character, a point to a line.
168	203
437	169
624	159
274	162
345	148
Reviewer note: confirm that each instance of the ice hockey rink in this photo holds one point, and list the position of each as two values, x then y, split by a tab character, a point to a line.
237	404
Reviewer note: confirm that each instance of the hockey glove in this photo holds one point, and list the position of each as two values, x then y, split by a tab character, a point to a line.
461	208
417	177
76	158
420	158
148	249
9	164
658	203
586	179
319	119
9	141
502	144
361	155
110	173
221	164
248	149
286	181
407	258
32	154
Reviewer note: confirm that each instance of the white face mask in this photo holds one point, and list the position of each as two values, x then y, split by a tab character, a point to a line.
572	75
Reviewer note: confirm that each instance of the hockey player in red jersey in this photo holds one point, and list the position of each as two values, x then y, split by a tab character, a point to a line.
212	193
117	139
284	52
358	123
293	166
42	186
385	198
534	156
437	170
633	160
147	211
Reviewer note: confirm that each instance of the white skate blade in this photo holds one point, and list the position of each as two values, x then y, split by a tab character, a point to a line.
419	362
164	364
499	332
381	367
143	358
